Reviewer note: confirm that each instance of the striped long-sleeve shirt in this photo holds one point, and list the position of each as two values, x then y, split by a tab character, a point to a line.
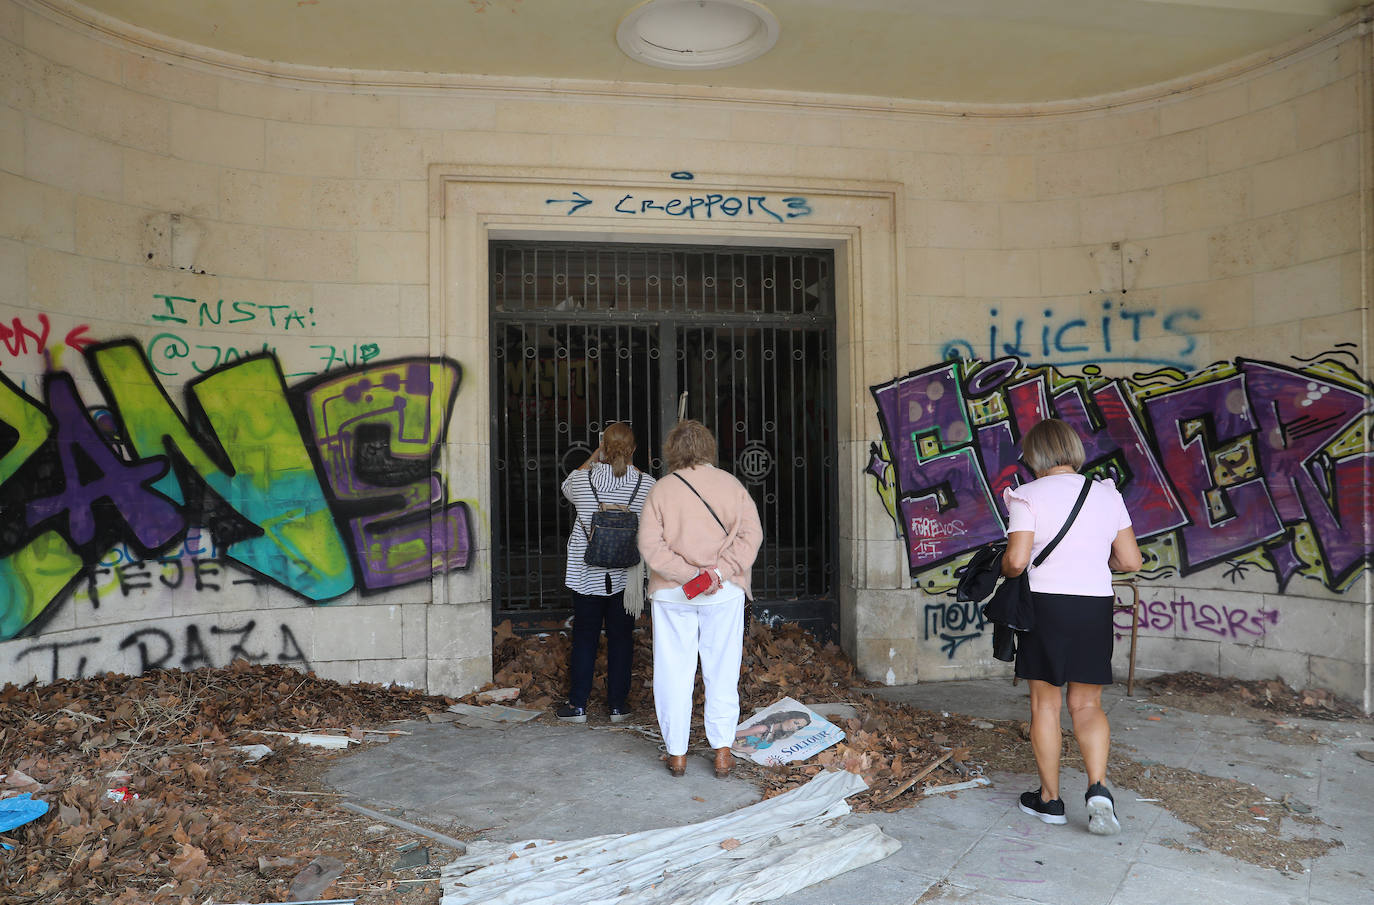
580	577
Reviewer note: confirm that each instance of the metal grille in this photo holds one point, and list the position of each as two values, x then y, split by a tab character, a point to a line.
630	279
588	334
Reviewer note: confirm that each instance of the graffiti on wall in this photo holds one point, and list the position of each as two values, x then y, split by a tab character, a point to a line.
319	489
1068	340
691	205
216	336
19	338
152	647
1248	464
1186	618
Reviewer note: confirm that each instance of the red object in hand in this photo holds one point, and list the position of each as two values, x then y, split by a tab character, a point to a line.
697	585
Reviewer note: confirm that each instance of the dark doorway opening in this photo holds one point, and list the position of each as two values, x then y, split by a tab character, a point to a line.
585	334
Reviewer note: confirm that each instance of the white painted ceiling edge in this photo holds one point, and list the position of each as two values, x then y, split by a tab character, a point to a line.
83	17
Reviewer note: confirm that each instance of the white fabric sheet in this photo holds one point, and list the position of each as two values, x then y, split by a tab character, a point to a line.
785	845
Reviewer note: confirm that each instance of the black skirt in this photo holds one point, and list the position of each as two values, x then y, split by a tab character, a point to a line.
1071	642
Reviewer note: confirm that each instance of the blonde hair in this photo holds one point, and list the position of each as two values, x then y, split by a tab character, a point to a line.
1049	444
688	443
618	443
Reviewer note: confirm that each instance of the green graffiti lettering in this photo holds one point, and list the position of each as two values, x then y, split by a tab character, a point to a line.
31	578
261	462
27	418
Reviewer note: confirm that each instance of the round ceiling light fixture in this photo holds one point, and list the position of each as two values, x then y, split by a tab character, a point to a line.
697	34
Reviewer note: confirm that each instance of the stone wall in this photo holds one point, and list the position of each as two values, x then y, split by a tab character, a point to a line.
274	252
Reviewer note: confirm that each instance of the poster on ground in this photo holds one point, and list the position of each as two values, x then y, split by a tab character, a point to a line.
784	732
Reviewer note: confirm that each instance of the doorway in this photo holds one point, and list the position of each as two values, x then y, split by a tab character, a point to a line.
584	334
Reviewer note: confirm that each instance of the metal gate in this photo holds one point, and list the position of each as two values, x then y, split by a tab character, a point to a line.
586	334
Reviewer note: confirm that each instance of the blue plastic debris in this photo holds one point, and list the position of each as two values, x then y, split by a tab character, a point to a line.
19	810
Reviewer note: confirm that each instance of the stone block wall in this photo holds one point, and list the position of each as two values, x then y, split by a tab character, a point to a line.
205	231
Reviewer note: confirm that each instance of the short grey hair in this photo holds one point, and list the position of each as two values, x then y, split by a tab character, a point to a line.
1052	443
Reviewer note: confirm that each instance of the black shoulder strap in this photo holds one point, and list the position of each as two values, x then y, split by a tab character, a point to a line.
1078	505
704	503
590	483
639	479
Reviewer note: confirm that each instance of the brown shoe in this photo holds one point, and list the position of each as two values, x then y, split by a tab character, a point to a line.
724	761
676	764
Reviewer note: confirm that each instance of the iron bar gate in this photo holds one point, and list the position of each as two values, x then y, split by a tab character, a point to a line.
586	334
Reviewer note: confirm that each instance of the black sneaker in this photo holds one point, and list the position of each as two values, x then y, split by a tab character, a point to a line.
1048	811
570	714
620	714
1101	811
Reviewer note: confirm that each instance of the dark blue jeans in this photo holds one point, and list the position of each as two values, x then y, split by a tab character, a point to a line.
589	614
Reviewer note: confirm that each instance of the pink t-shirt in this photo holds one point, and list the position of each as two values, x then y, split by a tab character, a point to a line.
1079	564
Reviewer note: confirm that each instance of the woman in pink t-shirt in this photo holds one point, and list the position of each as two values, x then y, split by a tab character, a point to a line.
1072	590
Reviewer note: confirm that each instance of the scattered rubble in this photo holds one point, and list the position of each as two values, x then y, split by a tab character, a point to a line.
1253	698
189	819
900	750
216	800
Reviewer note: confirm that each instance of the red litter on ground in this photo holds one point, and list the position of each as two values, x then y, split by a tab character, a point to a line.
121	794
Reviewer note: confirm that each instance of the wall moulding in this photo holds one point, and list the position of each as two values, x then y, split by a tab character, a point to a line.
472	205
139	40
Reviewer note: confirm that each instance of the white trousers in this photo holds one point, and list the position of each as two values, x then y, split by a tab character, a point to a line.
684	632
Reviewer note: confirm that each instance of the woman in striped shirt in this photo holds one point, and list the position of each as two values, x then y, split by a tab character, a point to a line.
598	594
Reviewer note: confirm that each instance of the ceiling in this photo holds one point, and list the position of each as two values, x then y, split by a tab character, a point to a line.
959	51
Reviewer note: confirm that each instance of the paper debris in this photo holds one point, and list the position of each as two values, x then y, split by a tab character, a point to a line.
314	738
253	753
958	786
784	732
491	716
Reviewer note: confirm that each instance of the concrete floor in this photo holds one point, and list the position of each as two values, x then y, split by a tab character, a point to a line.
554	781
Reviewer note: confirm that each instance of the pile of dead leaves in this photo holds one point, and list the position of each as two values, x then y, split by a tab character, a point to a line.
1241	697
893	747
778	661
149	803
538	665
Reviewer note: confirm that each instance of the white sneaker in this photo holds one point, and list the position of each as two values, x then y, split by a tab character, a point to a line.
1101	811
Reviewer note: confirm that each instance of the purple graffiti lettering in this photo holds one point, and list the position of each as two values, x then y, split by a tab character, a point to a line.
99	484
1220	620
1190	425
378	431
986	380
937	476
1297	416
1145	490
1028	404
1244	460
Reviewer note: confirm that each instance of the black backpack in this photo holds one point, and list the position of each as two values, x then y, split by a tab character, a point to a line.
612	539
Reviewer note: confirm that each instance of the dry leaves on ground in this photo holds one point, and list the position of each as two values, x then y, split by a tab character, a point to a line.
899	749
195	822
204	824
1256	698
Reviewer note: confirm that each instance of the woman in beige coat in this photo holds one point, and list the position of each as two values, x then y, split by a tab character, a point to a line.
700	523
